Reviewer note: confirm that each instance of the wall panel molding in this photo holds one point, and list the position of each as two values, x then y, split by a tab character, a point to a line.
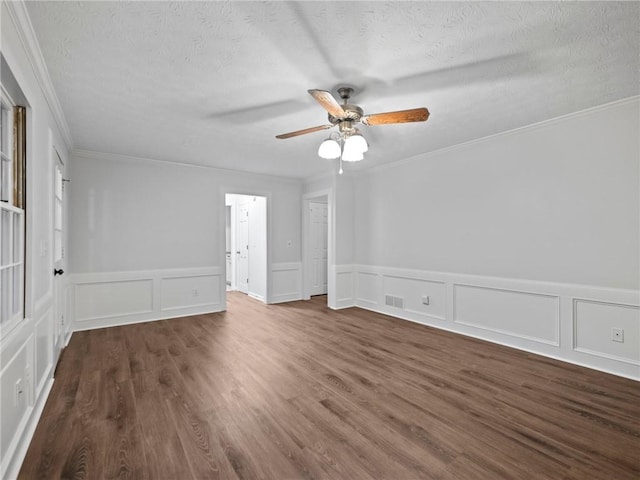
118	298
594	319
344	286
567	322
518	313
286	282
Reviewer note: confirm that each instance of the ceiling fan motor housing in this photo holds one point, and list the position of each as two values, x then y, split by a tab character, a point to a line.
353	113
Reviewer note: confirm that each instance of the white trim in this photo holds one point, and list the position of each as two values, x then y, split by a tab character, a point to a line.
20	18
143	318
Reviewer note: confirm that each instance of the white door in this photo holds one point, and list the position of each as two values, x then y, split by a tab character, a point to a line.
318	225
258	248
59	261
242	247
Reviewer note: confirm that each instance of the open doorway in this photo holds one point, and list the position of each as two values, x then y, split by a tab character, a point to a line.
316	244
246	244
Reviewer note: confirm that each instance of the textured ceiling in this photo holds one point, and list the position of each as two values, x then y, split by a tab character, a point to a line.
212	83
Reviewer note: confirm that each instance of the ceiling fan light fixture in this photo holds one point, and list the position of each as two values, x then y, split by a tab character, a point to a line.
351	151
329	149
359	142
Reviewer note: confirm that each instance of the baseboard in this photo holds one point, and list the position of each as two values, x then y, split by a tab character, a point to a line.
286	297
133	319
255	296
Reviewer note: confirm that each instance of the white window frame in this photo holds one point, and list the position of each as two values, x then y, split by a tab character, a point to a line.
12	228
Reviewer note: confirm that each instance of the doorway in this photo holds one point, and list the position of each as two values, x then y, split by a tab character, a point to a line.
317	245
318	230
246	244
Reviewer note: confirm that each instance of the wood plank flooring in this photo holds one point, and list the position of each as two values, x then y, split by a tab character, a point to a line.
297	391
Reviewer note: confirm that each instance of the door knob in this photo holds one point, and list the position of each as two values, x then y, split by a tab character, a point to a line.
57	272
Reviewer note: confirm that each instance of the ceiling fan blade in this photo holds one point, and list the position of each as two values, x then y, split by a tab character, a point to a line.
328	102
303	132
401	116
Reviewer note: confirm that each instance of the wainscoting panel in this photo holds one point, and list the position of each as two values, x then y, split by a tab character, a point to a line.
16	399
568	322
43	335
344	286
112	299
286	282
420	297
526	315
368	288
118	298
192	291
26	371
594	324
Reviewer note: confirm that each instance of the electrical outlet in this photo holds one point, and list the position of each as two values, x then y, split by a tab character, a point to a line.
18	393
617	335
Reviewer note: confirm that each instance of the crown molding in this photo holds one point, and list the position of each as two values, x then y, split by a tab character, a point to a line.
20	18
103	156
515	131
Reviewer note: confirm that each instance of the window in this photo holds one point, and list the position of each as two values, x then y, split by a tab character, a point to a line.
12	213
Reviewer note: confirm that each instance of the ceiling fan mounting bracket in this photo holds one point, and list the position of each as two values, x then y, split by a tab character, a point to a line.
345	93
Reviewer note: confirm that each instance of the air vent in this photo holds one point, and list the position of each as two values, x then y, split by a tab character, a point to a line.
391	301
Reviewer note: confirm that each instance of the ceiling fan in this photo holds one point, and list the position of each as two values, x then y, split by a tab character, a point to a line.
348	144
347	114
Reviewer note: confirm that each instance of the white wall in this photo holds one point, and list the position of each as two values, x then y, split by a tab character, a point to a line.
27	351
140	219
529	238
556	202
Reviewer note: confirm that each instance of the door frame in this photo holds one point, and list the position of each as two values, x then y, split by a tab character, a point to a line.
59	285
222	214
307	198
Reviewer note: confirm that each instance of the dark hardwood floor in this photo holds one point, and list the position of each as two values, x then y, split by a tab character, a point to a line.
297	391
